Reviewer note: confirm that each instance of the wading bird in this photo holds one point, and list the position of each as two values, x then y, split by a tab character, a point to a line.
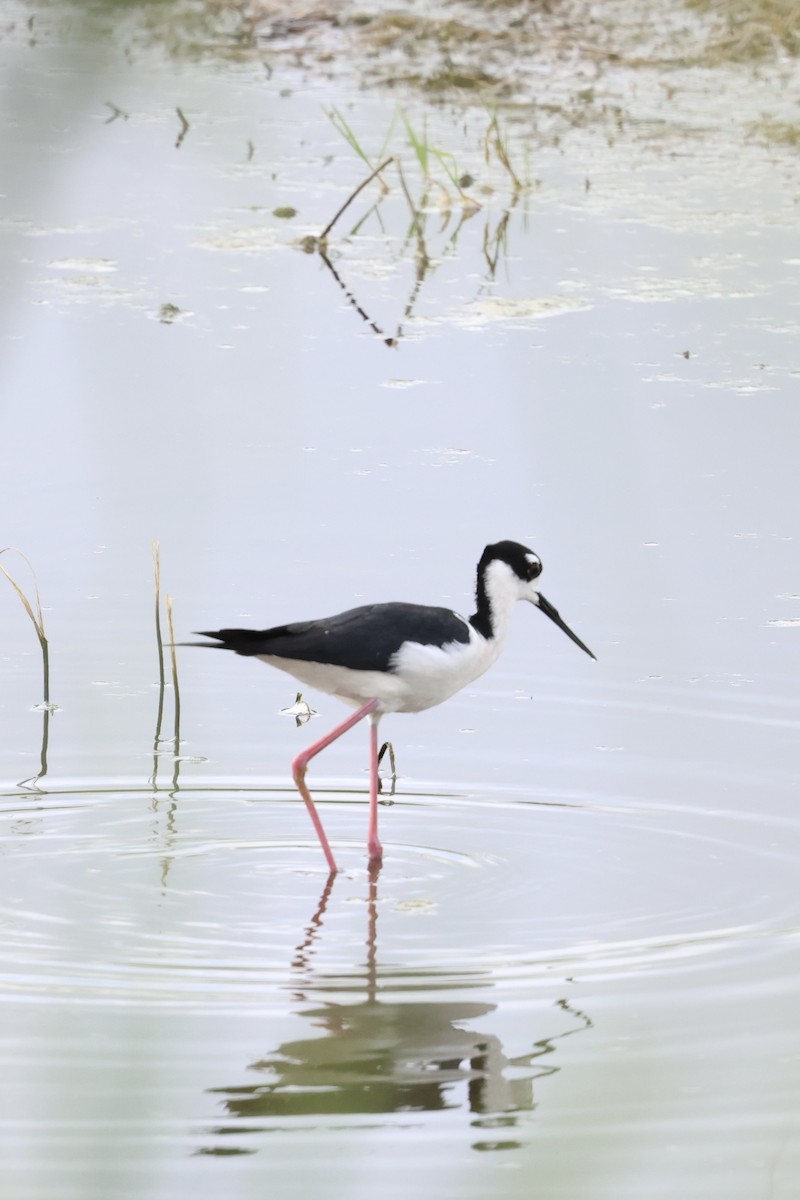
385	658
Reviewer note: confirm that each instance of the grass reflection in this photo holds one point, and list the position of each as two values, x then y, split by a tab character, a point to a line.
158	739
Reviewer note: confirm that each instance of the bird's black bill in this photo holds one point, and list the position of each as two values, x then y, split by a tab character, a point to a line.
554	616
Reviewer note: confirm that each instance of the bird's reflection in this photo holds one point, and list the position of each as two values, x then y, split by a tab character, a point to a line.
381	1056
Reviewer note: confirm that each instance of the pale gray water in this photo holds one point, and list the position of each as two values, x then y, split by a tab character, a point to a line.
576	975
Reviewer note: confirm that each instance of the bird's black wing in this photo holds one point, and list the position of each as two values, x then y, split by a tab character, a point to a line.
364	639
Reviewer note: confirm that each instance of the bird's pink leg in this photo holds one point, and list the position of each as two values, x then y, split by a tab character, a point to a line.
373	845
300	765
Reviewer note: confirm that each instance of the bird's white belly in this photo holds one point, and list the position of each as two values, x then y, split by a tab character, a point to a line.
422	676
354	687
431	674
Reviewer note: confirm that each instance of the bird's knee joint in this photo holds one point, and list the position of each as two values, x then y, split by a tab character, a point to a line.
299	768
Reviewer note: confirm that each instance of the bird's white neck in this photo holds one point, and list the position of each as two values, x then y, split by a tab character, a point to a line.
497	592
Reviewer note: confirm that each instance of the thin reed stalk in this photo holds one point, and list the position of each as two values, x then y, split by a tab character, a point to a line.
351	198
34	611
156	549
174	662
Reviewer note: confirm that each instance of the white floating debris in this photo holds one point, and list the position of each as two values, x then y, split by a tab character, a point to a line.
301	710
96	265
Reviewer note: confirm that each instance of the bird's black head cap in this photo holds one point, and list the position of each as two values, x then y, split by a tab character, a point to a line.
523	562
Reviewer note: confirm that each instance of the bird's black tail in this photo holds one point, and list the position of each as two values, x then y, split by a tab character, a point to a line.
241	641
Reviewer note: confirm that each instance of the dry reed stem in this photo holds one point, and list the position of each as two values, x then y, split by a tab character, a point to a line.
35	616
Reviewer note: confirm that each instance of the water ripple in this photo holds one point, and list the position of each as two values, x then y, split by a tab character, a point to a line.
141	898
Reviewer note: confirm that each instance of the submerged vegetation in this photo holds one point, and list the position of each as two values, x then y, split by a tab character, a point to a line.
475	48
478	45
576	76
751	29
555	70
438	191
435	165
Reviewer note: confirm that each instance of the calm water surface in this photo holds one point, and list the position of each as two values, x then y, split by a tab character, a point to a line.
576	975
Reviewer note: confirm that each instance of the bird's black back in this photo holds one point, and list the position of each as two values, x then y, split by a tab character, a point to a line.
364	639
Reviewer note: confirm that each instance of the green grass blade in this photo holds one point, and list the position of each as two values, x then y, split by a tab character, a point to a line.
419	145
341	126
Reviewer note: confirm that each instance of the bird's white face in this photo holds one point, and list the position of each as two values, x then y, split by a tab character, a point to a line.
505	585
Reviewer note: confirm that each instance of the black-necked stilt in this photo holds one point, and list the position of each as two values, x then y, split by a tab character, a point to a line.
385	658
